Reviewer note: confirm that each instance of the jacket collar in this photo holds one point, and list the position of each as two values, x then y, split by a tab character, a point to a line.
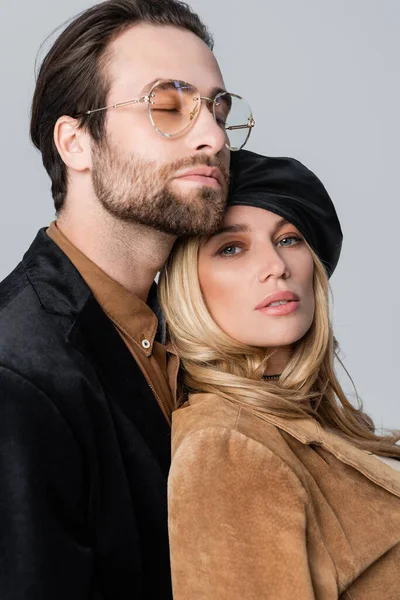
133	316
58	285
62	291
310	432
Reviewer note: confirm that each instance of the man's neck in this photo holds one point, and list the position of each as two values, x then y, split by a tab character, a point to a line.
130	253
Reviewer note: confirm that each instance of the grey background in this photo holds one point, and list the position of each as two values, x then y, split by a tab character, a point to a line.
323	80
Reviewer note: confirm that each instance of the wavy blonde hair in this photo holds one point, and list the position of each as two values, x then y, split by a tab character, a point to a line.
214	362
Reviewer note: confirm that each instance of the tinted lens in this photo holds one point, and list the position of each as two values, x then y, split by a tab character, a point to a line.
173	105
234	113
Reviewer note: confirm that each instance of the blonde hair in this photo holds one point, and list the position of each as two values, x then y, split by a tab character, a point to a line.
213	362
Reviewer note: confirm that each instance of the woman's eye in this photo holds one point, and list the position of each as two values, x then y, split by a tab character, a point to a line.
230	250
290	240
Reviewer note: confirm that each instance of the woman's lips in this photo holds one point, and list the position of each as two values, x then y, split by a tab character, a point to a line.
285	307
279	303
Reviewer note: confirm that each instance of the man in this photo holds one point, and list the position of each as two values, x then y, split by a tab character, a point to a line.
136	157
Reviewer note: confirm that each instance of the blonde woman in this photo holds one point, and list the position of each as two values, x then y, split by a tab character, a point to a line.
279	488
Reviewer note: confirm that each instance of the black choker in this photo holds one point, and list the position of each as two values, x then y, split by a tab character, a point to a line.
270	377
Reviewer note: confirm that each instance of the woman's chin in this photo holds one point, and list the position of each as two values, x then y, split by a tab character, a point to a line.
276	339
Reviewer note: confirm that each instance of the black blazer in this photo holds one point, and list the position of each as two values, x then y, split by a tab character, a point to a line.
84	447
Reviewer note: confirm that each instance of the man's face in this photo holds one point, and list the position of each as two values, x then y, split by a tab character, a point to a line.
137	173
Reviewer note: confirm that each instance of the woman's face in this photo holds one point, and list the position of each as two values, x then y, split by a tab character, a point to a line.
256	276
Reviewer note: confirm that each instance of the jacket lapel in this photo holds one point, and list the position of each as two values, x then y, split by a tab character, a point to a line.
310	432
96	337
62	291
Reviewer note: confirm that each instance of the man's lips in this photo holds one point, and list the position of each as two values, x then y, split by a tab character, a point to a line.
204	175
279	303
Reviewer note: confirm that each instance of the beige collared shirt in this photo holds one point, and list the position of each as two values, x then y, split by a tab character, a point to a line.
134	320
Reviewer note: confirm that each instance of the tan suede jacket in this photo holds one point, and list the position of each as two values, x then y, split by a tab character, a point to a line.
268	508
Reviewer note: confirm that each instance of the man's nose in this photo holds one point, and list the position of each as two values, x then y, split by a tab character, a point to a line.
206	135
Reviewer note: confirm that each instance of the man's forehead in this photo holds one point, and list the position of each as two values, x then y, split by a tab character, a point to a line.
146	53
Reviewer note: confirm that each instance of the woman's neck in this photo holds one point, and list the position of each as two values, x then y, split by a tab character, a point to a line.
278	360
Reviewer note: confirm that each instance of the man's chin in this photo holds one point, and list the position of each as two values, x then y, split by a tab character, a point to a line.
195	218
194	193
187	191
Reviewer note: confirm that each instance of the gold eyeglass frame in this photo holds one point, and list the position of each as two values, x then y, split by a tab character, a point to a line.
147	98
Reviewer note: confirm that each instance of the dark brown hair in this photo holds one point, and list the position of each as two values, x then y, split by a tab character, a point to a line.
73	77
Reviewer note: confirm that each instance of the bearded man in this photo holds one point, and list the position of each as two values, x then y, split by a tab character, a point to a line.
137	156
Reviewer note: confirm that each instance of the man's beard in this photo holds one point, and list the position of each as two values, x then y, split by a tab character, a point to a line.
134	189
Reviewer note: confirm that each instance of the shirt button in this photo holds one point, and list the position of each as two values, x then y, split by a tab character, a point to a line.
146	344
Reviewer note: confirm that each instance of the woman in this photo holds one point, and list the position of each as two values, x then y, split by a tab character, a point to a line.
278	487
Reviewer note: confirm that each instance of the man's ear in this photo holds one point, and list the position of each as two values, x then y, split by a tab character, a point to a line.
73	144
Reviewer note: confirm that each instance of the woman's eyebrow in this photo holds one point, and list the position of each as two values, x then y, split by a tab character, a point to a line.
246	228
238	228
279	224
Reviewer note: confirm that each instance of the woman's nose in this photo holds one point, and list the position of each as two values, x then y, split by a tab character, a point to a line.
271	264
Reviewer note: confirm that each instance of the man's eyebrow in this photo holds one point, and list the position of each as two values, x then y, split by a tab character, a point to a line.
148	86
217	90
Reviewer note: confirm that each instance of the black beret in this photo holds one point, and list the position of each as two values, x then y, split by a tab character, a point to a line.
286	187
